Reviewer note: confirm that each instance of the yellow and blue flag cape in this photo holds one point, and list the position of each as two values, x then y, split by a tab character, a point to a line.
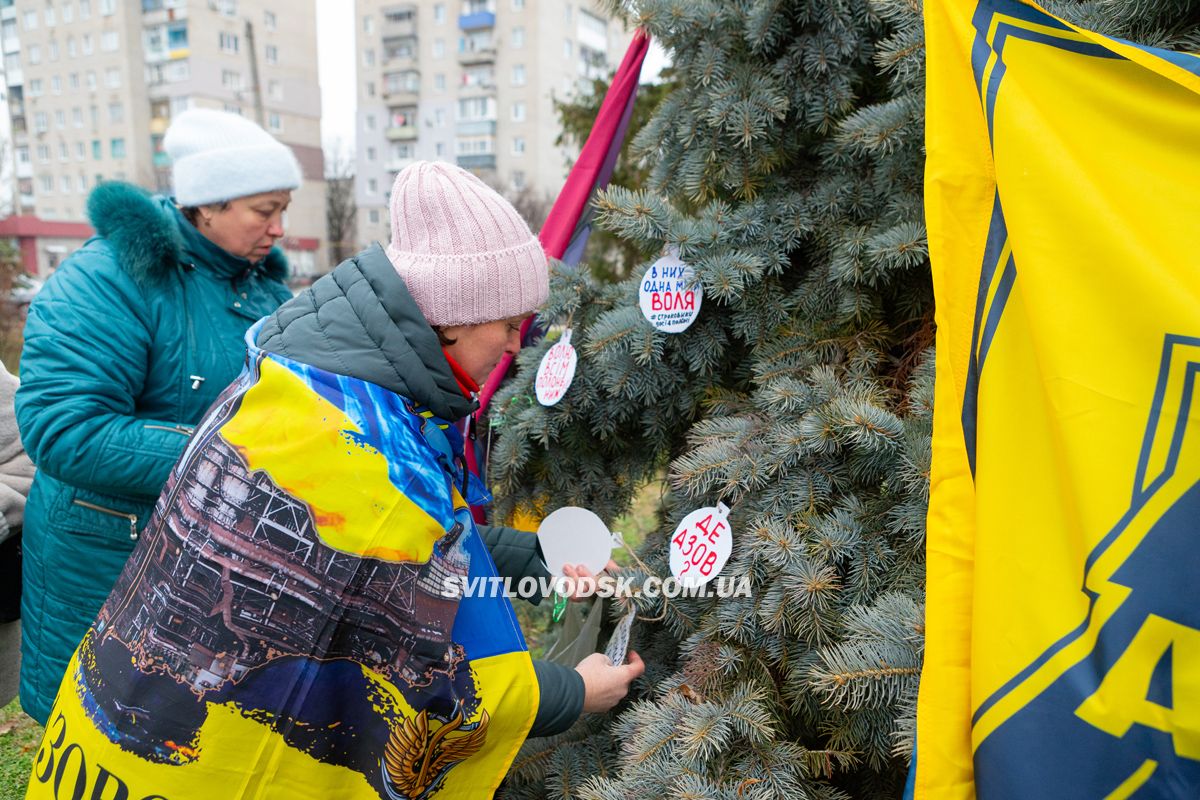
291	624
1063	615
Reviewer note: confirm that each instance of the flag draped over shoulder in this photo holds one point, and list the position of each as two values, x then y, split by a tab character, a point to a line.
287	626
1063	621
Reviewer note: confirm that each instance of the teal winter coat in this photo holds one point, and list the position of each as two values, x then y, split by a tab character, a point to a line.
127	345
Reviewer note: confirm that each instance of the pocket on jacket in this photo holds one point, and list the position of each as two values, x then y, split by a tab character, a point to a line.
95	516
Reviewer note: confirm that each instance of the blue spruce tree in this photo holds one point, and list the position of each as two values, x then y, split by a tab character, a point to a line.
785	166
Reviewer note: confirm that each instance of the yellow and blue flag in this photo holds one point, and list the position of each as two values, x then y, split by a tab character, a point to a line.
1063	614
292	623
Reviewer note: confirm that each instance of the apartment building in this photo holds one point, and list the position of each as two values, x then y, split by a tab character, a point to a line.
93	84
471	82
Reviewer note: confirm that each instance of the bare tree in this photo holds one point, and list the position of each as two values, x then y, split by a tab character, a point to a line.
340	209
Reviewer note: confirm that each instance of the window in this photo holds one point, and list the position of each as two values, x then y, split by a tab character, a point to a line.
60	119
373	215
177	37
35	54
80	151
43	153
518	146
112	78
41	122
65	184
233	108
370	121
439	48
35	87
110	41
439	82
518	37
567	13
90	80
228	42
518	5
518	112
274	123
370	88
275	90
369	57
63	152
518	75
372	185
97	150
85	9
471	109
85	44
55	84
71	49
269	20
271	53
180	104
518	179
439	13
440	149
177	71
94	111
47	183
568	48
368	24
68	12
117	146
83	184
77	117
73	81
370	154
116	113
52	51
439	117
108	7
22	155
31	20
49	16
231	79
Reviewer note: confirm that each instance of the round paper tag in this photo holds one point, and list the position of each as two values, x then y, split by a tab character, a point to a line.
556	372
573	535
701	545
669	297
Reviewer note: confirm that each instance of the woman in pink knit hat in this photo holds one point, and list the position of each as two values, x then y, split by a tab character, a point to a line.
308	612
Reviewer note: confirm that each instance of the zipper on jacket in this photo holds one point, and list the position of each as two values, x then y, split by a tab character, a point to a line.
133	532
183	429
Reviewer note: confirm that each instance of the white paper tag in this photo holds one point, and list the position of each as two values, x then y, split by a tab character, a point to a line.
701	545
573	535
556	371
618	645
668	295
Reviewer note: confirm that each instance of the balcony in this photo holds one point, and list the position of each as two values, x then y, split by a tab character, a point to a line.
483	88
397	164
479	127
478	55
401	133
486	161
399	21
27	201
477	21
15	77
162	160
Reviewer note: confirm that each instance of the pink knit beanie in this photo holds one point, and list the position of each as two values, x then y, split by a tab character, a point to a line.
463	251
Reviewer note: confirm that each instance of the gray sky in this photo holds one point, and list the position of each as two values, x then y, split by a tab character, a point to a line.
339	93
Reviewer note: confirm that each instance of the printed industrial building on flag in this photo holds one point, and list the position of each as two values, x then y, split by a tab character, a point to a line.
1063	649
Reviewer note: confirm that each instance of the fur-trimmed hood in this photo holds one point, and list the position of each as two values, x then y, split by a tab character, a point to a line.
149	236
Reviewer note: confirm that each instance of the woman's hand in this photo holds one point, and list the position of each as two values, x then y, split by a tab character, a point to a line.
583	589
605	685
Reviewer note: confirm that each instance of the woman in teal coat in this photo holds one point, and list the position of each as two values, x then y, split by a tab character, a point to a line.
127	345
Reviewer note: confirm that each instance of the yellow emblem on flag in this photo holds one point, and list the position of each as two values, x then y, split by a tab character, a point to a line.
1063	628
